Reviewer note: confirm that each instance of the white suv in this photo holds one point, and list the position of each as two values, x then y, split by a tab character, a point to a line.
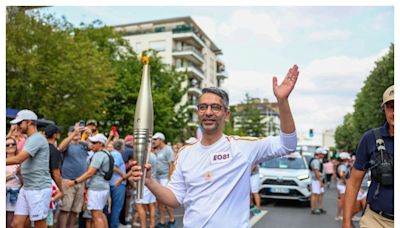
286	177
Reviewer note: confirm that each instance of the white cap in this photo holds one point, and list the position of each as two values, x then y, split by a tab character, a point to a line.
24	115
159	135
344	155
98	138
191	140
320	151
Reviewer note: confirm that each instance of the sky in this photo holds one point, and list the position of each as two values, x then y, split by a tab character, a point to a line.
335	48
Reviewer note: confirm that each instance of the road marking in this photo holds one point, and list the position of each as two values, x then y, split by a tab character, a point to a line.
257	217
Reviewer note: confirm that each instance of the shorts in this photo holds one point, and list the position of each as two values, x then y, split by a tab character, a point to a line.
148	197
34	203
316	187
73	198
49	220
97	199
341	188
11	198
361	195
255	183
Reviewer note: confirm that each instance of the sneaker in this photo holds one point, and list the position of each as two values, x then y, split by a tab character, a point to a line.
322	211
257	211
355	219
171	224
160	225
316	212
337	218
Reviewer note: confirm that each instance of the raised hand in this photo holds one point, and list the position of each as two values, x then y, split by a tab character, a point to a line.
283	90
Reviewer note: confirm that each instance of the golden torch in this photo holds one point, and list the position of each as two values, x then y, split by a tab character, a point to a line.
143	125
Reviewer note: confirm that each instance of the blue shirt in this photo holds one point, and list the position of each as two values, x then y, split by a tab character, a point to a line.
119	163
74	163
366	148
128	153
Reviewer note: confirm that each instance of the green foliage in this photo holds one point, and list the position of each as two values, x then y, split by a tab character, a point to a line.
345	133
251	121
67	74
58	74
367	108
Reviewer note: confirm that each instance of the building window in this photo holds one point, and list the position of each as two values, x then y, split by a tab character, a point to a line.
158	45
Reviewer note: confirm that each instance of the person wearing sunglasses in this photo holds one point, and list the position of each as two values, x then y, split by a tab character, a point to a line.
13	180
212	176
35	195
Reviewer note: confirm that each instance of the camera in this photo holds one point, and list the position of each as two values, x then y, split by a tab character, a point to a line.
81	123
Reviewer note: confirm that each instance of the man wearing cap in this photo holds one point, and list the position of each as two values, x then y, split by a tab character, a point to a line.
98	187
165	159
90	129
212	176
35	195
52	133
75	153
380	197
317	184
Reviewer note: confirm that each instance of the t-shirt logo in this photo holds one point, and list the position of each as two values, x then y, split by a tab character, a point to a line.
220	157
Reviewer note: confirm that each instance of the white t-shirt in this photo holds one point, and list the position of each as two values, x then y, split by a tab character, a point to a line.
213	182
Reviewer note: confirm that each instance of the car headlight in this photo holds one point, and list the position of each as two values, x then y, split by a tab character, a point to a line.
303	177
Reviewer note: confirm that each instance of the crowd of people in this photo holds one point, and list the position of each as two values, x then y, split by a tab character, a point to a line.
71	178
91	177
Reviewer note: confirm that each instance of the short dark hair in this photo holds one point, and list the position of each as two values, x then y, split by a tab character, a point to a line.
219	92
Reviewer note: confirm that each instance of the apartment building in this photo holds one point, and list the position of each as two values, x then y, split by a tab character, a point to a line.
183	44
268	110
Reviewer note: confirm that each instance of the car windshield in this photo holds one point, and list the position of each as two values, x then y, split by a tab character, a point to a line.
285	163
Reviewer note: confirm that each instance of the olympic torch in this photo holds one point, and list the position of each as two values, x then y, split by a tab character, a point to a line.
143	125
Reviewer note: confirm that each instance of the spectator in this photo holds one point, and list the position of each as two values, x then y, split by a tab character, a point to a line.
13	180
317	182
117	188
255	186
35	195
149	200
98	187
74	165
91	129
165	159
127	155
342	173
16	133
52	133
328	171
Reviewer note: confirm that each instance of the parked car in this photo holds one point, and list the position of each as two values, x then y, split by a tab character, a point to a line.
286	177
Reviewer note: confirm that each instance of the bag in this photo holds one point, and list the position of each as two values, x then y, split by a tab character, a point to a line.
109	173
309	165
347	173
13	194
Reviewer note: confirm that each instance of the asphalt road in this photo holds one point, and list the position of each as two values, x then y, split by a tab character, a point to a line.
291	214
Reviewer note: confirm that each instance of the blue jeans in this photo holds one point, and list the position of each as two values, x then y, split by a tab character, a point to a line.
117	202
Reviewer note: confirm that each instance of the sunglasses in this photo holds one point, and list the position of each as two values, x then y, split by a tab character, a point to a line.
10	144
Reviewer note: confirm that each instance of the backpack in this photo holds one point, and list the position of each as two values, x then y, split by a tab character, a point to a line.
309	165
109	173
347	174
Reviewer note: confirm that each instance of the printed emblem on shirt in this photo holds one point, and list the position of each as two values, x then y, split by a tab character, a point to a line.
220	157
208	176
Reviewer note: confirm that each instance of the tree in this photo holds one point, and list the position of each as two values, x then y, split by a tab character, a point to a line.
67	74
344	134
367	108
251	121
61	76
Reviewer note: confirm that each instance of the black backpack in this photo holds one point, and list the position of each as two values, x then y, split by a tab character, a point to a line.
309	165
347	174
110	171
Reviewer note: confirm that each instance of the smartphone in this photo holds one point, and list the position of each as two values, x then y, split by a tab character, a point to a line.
81	123
114	130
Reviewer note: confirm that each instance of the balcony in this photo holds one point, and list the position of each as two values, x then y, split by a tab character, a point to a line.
222	75
194	90
192	70
186	33
189	53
